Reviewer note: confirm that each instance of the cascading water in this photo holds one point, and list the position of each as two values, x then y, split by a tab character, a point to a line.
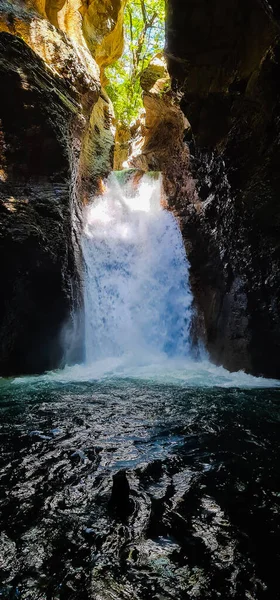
138	303
137	295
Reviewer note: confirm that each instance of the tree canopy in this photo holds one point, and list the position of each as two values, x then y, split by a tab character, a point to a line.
144	37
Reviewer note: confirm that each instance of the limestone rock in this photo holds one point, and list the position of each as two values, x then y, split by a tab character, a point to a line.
164	123
103	29
96	23
155	72
122	145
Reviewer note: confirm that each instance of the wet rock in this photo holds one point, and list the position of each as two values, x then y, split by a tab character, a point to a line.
224	65
41	265
56	141
120	501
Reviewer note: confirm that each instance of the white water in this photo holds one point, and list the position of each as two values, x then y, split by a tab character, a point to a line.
137	295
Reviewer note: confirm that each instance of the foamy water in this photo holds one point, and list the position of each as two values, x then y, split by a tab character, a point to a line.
138	302
137	294
165	371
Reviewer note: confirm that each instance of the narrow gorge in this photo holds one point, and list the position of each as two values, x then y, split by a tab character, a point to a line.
139	309
213	135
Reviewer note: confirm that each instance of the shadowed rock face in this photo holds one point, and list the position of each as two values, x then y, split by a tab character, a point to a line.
39	264
56	141
224	63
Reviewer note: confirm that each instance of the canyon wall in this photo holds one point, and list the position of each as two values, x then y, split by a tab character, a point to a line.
223	59
221	119
56	141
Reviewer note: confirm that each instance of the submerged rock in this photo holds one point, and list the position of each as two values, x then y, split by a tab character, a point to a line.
120	502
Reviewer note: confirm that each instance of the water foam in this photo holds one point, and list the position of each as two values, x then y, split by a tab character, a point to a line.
138	299
184	373
137	294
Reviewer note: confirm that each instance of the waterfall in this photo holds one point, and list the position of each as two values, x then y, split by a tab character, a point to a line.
137	293
138	303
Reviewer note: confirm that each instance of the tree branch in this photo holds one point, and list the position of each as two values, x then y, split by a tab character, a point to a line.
134	56
144	12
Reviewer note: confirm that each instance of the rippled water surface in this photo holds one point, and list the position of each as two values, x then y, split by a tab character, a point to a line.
128	488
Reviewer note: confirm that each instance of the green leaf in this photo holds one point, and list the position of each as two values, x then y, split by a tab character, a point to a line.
144	37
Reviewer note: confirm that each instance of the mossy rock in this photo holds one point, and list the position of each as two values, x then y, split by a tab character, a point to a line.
155	71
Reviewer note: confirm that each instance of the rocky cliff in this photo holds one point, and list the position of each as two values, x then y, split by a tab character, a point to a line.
224	62
56	140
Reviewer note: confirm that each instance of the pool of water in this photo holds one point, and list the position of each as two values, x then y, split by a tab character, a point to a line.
136	487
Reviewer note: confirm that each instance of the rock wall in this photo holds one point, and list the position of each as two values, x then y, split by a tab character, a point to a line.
158	136
224	62
56	140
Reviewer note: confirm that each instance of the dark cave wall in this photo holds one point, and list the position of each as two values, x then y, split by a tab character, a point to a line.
224	62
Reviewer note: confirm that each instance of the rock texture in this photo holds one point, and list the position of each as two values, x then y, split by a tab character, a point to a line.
163	125
224	63
122	145
56	140
103	30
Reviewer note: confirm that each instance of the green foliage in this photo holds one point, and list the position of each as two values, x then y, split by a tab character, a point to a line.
144	37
